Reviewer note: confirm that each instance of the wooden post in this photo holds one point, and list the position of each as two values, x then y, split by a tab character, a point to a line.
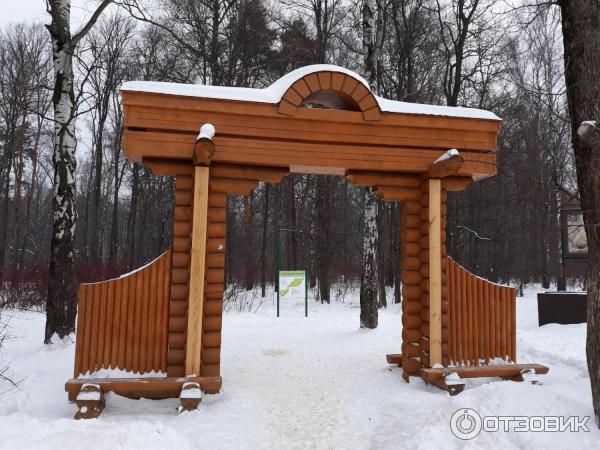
197	269
435	272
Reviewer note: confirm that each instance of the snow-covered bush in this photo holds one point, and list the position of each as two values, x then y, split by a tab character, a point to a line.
4	369
238	298
24	289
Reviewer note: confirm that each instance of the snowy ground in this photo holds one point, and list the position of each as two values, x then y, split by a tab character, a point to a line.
292	383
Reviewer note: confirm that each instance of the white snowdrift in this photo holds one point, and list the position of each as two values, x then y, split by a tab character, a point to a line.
295	383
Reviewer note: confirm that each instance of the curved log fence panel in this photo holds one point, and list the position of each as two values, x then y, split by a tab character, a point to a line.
482	319
122	323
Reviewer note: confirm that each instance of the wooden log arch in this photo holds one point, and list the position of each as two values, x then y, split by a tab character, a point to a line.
317	120
330	90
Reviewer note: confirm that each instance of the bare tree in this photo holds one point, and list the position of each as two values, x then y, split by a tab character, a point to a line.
106	48
369	278
409	67
226	42
513	72
461	23
580	25
326	16
61	303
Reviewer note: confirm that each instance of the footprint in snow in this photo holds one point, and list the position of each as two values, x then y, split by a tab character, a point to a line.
275	352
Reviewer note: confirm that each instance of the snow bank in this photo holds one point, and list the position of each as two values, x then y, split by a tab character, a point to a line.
273	94
294	382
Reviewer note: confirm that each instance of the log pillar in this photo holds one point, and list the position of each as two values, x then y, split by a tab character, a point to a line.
197	270
411	264
204	150
435	272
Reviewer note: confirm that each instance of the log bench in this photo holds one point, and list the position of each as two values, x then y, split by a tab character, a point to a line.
450	378
500	370
151	387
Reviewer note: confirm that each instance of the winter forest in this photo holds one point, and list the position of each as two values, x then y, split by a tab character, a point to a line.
482	54
391	248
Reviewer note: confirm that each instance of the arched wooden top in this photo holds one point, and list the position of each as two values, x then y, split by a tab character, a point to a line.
330	90
316	119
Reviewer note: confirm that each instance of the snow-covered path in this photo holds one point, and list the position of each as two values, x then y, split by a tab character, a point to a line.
304	373
294	383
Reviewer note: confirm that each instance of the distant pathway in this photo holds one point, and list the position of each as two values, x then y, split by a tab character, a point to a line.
304	374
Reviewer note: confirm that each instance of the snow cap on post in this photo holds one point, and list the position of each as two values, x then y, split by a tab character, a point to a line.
446	165
207	131
448	154
204	148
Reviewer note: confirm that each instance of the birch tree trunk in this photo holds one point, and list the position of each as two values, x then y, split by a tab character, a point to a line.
369	49
580	25
379	221
61	302
369	277
323	210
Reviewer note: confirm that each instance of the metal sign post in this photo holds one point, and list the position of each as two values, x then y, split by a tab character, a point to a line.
277	255
305	296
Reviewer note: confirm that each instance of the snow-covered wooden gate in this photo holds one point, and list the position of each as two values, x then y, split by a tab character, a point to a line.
452	321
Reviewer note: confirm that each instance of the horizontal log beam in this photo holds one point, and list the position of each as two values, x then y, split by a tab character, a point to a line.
168	387
281	153
394	358
163	166
268	174
153	111
364	178
501	370
231	186
456	184
397	193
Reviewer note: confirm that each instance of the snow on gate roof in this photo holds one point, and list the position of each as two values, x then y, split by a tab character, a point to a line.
275	92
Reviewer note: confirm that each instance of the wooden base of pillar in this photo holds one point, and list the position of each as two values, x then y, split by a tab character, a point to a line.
90	402
394	358
450	379
190	397
453	388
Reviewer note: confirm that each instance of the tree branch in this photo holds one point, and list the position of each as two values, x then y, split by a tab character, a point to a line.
90	23
474	233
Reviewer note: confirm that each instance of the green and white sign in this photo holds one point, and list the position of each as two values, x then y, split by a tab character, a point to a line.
292	284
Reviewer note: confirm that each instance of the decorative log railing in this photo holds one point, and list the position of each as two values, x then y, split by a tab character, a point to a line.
122	323
482	319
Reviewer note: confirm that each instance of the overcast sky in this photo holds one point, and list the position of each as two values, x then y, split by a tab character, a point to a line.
35	10
15	11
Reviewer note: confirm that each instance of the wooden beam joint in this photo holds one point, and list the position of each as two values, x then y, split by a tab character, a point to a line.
204	147
446	165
